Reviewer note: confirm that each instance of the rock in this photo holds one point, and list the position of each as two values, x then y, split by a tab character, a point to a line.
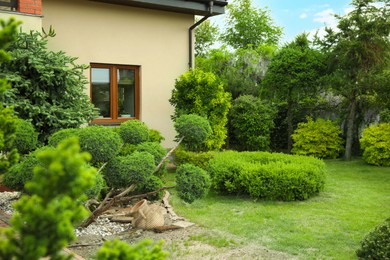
183	224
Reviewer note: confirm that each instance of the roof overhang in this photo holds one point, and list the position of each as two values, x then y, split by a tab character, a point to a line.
195	7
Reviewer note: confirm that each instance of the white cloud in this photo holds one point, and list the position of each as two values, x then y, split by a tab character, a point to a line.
325	17
303	15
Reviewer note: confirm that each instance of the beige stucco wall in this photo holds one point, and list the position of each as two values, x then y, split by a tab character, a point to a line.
30	22
105	33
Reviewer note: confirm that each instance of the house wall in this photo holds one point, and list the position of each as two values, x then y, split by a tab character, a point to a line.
30	22
105	33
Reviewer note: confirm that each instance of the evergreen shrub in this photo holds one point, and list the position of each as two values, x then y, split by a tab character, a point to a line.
155	136
95	190
250	124
154	149
62	134
122	171
192	182
320	138
26	137
195	130
266	175
153	183
375	144
200	159
376	244
134	132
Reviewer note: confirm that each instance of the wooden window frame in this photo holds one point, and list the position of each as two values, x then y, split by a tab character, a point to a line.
113	68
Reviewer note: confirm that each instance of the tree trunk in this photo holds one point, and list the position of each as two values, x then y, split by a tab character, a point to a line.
350	126
290	128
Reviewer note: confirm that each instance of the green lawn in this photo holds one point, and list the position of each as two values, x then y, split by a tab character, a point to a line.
329	226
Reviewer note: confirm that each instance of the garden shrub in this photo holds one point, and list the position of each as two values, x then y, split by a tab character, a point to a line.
62	134
120	250
122	171
127	149
375	144
376	244
101	142
134	132
320	138
200	159
250	123
95	190
202	93
155	136
153	183
20	173
195	130
154	149
26	138
266	175
192	182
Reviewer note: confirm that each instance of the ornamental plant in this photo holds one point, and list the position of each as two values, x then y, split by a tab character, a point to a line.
202	93
26	137
250	123
48	87
319	138
376	244
375	144
134	132
44	221
193	129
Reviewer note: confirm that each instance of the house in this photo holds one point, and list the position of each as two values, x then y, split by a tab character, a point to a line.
135	48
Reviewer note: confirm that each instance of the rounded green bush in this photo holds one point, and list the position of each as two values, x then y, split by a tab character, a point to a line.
101	142
17	176
375	144
62	134
195	130
151	184
320	138
376	245
250	124
155	136
94	191
122	171
134	132
26	137
154	149
267	175
192	182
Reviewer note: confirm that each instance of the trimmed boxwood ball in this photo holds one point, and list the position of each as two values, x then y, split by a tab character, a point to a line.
376	245
134	132
17	176
94	191
122	171
101	142
154	149
195	130
62	134
376	144
151	184
192	182
26	139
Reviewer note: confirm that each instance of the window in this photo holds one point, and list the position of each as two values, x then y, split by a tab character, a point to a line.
115	92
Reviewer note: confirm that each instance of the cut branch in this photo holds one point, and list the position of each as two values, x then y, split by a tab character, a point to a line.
167	155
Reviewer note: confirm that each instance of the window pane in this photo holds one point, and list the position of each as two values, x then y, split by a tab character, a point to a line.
126	95
101	90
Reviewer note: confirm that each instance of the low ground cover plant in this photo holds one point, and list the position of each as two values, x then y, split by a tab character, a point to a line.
266	175
375	144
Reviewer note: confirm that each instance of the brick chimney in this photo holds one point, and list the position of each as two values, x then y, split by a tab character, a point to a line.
30	6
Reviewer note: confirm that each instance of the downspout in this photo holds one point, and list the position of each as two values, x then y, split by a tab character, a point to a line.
190	63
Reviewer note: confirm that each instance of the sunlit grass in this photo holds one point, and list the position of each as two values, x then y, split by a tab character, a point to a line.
331	225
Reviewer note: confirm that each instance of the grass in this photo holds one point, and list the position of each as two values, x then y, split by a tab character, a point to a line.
329	226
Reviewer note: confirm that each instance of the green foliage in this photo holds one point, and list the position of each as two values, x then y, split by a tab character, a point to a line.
320	138
201	93
376	245
134	132
155	136
128	149
122	171
194	129
119	250
62	134
26	137
153	183
101	142
268	176
250	123
154	149
17	176
95	190
199	159
248	25
9	155
192	182
385	116
47	87
375	144
44	222
205	35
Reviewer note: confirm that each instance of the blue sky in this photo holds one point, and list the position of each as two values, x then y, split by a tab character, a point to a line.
297	16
